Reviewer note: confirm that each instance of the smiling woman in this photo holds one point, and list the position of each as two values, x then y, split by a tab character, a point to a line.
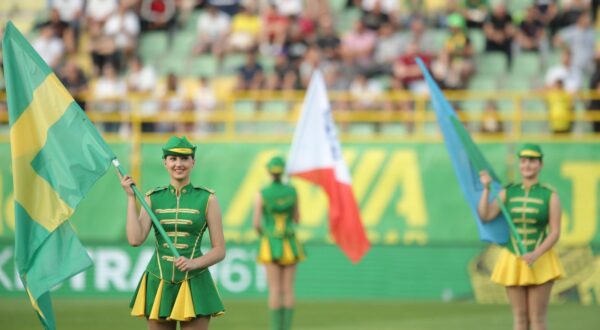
164	293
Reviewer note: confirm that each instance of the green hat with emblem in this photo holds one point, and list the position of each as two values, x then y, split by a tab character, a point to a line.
276	165
530	150
178	146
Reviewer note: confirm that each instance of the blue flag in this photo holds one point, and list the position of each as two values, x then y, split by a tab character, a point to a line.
468	162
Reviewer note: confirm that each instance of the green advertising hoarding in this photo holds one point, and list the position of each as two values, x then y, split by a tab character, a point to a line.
410	203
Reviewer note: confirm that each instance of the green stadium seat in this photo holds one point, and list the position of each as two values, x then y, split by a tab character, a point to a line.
204	65
337	6
361	128
473	106
268	63
275	107
172	64
152	45
232	62
192	21
394	129
517	82
491	64
244	107
483	83
439	38
183	43
526	65
346	19
477	40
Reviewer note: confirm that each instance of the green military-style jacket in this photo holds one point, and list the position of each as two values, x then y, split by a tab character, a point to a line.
529	210
279	200
182	214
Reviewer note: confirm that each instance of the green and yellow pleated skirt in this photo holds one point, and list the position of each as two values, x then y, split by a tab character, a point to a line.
280	250
511	270
158	299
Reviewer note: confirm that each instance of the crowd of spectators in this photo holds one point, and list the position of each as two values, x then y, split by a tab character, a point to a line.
365	47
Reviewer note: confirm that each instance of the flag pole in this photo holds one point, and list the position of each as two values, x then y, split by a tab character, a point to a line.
509	221
145	205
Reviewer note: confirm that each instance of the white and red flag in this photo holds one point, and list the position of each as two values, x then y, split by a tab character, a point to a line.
316	156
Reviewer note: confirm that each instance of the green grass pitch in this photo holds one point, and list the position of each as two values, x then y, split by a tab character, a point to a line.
92	314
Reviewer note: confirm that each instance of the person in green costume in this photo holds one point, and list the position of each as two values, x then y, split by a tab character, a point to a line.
275	217
177	290
535	210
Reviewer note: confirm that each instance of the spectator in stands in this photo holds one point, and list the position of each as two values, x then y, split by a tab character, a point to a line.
141	84
275	27
454	65
490	121
295	45
289	7
75	81
98	11
389	7
475	12
580	39
568	15
310	62
124	27
545	12
373	19
531	35
61	29
158	15
107	96
175	101
358	45
229	7
366	93
560	108
251	74
499	32
284	76
102	48
387	49
328	40
70	11
212	28
407	70
420	34
50	47
571	79
246	30
205	102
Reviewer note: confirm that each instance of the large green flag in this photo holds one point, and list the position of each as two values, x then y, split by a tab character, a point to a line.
57	156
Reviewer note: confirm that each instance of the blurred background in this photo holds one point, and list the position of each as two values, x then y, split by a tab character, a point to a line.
231	76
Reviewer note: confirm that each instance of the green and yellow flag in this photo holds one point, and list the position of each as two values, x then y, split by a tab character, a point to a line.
57	156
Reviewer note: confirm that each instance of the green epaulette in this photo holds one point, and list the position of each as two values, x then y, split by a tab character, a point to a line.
155	190
205	189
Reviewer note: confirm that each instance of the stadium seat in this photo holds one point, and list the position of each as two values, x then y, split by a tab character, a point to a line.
244	107
267	62
394	129
183	43
203	65
483	83
517	82
439	38
477	40
526	64
152	45
491	64
192	21
172	64
232	62
276	107
361	128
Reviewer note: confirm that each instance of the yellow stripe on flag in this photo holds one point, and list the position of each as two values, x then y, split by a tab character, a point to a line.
28	136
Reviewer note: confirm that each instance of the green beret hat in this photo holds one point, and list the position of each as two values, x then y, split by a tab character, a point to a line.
530	150
178	146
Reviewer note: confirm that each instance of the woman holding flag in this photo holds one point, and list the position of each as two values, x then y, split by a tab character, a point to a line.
277	206
180	288
535	211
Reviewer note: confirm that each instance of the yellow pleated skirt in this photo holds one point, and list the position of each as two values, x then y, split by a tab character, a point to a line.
281	251
511	270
